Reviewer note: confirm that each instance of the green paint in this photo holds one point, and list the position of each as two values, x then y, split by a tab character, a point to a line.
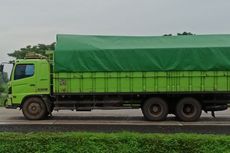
185	81
30	85
114	82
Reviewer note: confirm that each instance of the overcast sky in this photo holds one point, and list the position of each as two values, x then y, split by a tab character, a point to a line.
29	22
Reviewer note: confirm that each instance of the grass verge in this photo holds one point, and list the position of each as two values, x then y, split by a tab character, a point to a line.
115	142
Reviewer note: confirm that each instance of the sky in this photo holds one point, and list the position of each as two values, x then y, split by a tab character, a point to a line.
30	22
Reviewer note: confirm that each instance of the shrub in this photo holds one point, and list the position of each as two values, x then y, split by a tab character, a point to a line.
116	142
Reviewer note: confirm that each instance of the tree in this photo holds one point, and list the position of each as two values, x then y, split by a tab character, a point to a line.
39	49
2	89
180	34
167	35
184	33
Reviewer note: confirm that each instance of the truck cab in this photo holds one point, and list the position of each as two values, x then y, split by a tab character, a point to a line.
29	78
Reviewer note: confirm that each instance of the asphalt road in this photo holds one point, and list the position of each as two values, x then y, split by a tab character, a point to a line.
113	121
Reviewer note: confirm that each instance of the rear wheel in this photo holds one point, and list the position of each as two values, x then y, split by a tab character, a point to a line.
34	109
188	110
155	109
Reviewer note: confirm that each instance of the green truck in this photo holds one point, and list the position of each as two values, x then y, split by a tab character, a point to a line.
161	75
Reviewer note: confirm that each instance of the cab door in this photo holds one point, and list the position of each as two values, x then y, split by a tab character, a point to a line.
24	81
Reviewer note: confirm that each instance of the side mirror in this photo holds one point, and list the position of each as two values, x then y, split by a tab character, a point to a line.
1	67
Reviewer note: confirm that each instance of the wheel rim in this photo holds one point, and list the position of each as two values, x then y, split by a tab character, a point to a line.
34	109
189	110
156	109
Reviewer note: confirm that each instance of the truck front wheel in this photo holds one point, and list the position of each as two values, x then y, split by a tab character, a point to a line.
155	109
188	109
34	109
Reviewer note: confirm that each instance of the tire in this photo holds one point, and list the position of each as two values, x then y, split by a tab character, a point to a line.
34	109
188	110
155	109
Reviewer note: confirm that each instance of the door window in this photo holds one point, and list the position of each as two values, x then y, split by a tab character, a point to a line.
23	71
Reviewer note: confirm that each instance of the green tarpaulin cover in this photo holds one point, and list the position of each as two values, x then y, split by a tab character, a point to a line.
78	53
